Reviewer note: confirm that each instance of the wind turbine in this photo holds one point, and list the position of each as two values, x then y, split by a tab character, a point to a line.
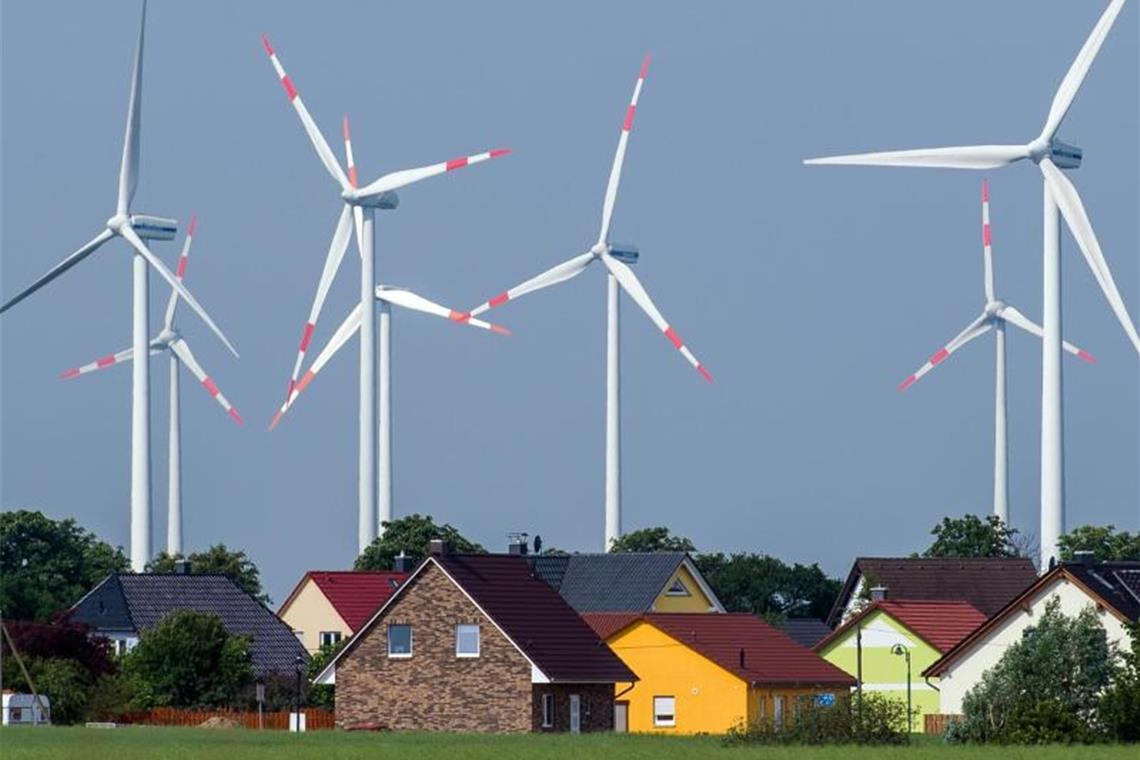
1051	155
616	259
360	203
996	314
134	228
170	339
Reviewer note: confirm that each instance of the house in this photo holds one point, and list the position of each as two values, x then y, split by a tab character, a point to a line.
327	606
125	605
877	641
627	582
1111	588
707	673
807	632
987	583
475	642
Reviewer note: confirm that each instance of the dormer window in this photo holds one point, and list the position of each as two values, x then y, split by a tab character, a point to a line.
677	588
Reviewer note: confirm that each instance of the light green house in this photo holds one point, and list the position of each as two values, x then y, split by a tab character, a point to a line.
885	632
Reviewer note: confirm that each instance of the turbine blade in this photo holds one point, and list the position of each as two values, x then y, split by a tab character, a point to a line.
552	276
416	302
349	161
619	156
404	177
1069	202
132	237
1071	84
129	167
968	157
631	285
87	249
1017	319
102	363
180	273
315	136
987	242
335	255
979	326
346	330
181	348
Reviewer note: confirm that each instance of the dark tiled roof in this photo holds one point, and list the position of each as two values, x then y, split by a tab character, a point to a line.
143	600
535	617
355	595
745	645
623	582
606	624
807	632
987	583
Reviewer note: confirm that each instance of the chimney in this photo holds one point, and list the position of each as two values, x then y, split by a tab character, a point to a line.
1084	557
403	563
878	593
182	566
437	546
742	657
516	544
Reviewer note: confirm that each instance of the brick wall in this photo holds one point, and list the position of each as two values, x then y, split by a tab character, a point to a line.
434	690
597	706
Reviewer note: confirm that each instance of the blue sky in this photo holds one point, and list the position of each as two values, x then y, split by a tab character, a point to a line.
808	292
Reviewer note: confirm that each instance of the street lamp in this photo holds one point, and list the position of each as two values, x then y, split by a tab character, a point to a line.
904	650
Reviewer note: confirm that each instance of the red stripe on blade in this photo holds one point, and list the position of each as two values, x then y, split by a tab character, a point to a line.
907	383
499	299
987	237
457	163
500	152
462	317
352	175
305	380
1086	356
265	42
68	374
193	226
307	336
985	191
290	90
644	67
276	419
672	336
210	386
236	416
629	113
500	330
939	355
181	268
704	373
106	361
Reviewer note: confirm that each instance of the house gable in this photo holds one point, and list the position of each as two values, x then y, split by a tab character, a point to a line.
308	613
686	591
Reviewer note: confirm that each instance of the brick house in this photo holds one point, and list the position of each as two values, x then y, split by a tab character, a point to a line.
475	642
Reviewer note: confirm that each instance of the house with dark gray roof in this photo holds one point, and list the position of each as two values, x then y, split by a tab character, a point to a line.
807	632
627	582
126	605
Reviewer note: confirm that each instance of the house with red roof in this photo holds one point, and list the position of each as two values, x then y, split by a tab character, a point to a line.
328	606
475	642
707	673
888	643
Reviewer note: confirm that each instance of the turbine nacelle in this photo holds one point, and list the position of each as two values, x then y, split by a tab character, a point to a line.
994	308
154	227
1063	155
386	201
623	252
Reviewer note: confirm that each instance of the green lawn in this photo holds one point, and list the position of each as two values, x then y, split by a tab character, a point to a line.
144	742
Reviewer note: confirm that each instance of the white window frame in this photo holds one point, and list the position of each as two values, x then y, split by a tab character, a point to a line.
673	591
478	641
334	637
548	710
411	642
658	721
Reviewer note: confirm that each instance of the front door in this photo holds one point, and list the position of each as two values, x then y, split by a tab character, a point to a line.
621	717
575	714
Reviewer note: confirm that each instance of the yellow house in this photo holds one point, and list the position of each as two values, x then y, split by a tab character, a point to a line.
328	606
707	673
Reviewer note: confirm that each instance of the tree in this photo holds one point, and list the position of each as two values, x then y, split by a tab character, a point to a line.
1120	705
652	540
323	695
1106	543
411	535
218	559
62	641
768	587
47	565
189	660
970	536
1046	687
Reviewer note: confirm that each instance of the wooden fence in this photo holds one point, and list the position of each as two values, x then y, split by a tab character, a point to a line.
315	719
936	723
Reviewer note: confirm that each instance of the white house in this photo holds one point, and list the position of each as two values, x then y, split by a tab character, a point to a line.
1112	589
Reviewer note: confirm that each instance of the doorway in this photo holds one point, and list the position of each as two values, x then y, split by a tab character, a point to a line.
621	717
575	714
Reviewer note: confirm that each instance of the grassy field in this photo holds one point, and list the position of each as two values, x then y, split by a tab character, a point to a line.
141	742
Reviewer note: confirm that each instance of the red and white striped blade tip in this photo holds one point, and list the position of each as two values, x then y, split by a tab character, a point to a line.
705	373
268	46
1085	355
645	66
907	383
236	416
499	329
276	419
193	225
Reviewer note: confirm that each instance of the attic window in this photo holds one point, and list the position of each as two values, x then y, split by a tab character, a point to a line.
677	589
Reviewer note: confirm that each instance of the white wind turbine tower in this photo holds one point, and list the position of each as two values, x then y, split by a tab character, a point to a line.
360	203
134	228
1051	155
996	314
616	259
170	339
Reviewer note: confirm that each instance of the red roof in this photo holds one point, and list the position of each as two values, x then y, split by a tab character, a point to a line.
741	643
355	595
940	624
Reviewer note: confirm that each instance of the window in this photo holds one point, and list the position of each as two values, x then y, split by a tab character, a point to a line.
300	635
399	640
677	589
548	710
778	711
329	638
121	647
466	640
664	711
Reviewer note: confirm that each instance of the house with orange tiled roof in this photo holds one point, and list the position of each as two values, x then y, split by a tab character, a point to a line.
889	642
328	606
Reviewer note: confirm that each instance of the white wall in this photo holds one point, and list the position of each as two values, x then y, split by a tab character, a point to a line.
968	669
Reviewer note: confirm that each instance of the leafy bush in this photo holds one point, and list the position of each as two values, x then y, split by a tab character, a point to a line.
65	683
1119	709
877	720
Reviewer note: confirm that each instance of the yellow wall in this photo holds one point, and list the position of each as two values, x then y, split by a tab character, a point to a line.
696	601
311	613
